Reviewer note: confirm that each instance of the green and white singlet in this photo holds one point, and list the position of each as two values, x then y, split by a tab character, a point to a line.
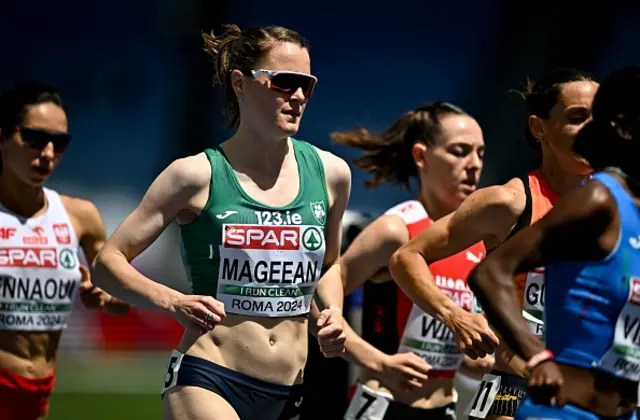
259	260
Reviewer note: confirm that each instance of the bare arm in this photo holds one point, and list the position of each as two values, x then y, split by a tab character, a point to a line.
582	226
171	192
371	250
91	231
487	215
360	352
91	236
330	292
400	372
367	254
327	325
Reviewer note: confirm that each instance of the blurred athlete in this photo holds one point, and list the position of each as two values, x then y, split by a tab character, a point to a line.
41	236
589	364
559	105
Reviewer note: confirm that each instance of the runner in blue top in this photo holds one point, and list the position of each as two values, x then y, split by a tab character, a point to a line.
590	245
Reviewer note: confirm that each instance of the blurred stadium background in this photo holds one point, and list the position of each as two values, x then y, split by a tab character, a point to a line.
138	91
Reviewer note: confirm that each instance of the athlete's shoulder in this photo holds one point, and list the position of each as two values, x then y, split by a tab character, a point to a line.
333	163
84	215
596	191
581	224
190	171
391	227
509	196
489	214
593	197
336	170
79	207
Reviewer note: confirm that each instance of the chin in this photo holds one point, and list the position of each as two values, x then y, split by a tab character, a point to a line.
36	183
457	197
460	198
289	129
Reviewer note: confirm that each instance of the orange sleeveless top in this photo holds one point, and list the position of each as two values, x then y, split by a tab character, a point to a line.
530	286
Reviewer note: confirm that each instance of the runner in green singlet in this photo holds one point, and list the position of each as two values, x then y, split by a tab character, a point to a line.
260	218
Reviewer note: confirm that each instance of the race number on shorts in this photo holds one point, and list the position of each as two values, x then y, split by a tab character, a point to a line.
171	375
484	397
367	404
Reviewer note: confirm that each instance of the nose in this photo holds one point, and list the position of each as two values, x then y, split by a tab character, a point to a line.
48	151
298	95
475	162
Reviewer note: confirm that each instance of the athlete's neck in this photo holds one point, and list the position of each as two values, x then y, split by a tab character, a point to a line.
558	179
434	206
20	198
252	153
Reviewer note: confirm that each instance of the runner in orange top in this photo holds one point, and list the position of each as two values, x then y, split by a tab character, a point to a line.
540	198
559	105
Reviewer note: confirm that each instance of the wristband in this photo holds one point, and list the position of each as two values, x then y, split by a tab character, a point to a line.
537	359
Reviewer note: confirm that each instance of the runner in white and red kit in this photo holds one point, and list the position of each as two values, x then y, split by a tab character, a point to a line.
42	234
410	358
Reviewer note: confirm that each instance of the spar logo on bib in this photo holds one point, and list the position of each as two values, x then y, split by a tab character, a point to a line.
634	285
312	239
276	238
28	257
67	259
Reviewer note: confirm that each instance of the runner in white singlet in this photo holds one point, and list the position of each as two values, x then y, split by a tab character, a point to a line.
41	236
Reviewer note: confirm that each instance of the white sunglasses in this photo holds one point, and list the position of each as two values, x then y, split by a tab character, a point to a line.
289	81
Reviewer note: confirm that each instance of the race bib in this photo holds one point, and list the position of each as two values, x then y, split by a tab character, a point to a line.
533	302
432	340
269	271
171	376
622	359
484	397
368	404
37	287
